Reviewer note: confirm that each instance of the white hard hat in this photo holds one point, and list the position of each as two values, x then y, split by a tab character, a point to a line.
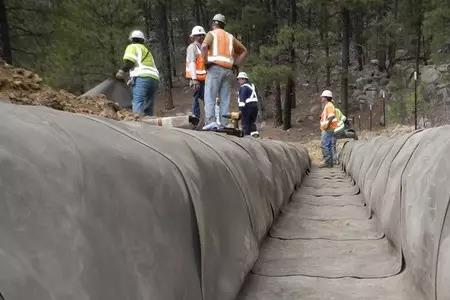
327	94
137	34
219	18
242	75
198	30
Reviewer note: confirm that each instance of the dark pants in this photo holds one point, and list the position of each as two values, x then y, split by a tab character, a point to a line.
200	94
249	116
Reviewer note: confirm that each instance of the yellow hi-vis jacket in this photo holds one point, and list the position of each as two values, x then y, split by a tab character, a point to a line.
340	120
144	64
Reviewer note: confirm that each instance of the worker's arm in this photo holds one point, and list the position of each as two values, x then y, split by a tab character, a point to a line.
207	42
244	94
129	60
127	65
240	51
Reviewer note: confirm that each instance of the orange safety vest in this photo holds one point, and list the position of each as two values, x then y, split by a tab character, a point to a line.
200	68
328	111
221	51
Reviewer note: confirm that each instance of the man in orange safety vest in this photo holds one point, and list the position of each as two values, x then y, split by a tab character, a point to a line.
223	54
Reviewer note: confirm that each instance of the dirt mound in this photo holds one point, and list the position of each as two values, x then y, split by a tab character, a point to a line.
20	86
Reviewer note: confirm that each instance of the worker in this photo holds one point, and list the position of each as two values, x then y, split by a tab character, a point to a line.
338	132
223	54
195	68
328	123
144	76
248	105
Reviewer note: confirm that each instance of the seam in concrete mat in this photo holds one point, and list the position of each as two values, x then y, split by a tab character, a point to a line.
326	277
324	239
333	205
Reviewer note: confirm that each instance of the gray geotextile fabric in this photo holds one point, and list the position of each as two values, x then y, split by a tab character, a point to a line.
407	188
97	209
115	90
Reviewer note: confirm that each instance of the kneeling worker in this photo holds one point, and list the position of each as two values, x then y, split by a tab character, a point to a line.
248	105
144	75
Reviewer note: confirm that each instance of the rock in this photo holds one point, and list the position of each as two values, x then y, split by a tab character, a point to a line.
34	86
444	68
384	81
430	74
315	109
374	62
311	118
401	53
356	94
299	120
392	86
28	74
37	79
361	82
430	93
369	87
443	95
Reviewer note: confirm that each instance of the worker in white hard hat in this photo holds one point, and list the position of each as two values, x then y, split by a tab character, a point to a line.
248	105
196	68
328	124
223	54
144	76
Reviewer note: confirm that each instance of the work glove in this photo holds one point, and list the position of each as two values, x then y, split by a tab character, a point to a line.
194	85
120	75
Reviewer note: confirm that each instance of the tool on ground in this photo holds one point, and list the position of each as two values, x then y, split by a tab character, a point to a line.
234	118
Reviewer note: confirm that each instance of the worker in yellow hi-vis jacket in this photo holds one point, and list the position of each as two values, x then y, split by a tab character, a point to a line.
144	75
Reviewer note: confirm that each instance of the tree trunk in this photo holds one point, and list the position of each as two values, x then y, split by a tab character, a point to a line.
359	40
287	104
277	117
345	57
324	36
172	40
419	21
291	80
328	64
164	38
5	43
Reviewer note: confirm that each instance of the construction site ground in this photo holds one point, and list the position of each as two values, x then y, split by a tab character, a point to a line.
24	87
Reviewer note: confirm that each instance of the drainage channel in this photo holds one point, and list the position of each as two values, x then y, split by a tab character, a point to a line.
325	245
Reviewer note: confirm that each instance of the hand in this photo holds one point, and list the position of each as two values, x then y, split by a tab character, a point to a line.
120	75
194	85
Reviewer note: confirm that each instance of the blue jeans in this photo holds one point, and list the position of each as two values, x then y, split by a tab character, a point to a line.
200	94
218	84
326	143
144	90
